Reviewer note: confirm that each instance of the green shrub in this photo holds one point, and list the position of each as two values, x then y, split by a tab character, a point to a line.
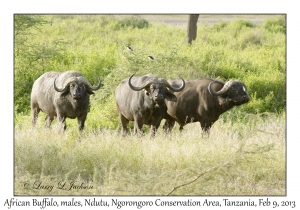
275	25
235	27
104	114
267	94
134	22
219	26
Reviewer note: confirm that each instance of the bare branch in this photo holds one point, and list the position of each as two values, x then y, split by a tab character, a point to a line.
197	177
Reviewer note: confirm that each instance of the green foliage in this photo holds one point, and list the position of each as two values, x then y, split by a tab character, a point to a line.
276	25
269	94
31	58
22	23
96	45
107	111
134	22
236	27
219	26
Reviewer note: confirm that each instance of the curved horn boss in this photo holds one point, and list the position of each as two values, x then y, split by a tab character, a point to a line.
176	89
137	88
88	84
225	88
67	83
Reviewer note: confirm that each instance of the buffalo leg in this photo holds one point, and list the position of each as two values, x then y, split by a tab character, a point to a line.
62	120
124	122
49	120
138	127
205	127
34	114
180	127
168	126
154	129
81	119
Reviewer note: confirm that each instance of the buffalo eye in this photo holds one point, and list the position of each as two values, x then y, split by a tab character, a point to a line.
224	95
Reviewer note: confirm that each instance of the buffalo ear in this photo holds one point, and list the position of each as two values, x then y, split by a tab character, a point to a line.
88	90
170	96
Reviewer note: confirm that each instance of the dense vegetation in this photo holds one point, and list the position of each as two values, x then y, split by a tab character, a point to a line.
244	154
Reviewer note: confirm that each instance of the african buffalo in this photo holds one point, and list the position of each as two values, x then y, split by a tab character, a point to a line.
62	95
144	102
203	100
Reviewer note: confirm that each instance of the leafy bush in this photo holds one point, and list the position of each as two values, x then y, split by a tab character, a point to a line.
275	25
267	95
134	22
219	26
235	27
104	114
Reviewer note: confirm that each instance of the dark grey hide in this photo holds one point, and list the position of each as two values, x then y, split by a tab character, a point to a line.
204	100
142	100
62	95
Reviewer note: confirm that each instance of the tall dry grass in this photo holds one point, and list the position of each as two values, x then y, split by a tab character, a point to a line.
241	157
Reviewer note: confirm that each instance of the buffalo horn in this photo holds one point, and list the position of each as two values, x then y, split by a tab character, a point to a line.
224	89
71	79
175	89
80	79
88	84
136	88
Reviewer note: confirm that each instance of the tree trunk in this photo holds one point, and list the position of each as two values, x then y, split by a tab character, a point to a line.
192	28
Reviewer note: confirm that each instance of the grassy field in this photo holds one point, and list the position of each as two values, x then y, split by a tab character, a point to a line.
238	158
245	153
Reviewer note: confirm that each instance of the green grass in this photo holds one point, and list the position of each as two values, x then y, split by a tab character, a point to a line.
238	158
